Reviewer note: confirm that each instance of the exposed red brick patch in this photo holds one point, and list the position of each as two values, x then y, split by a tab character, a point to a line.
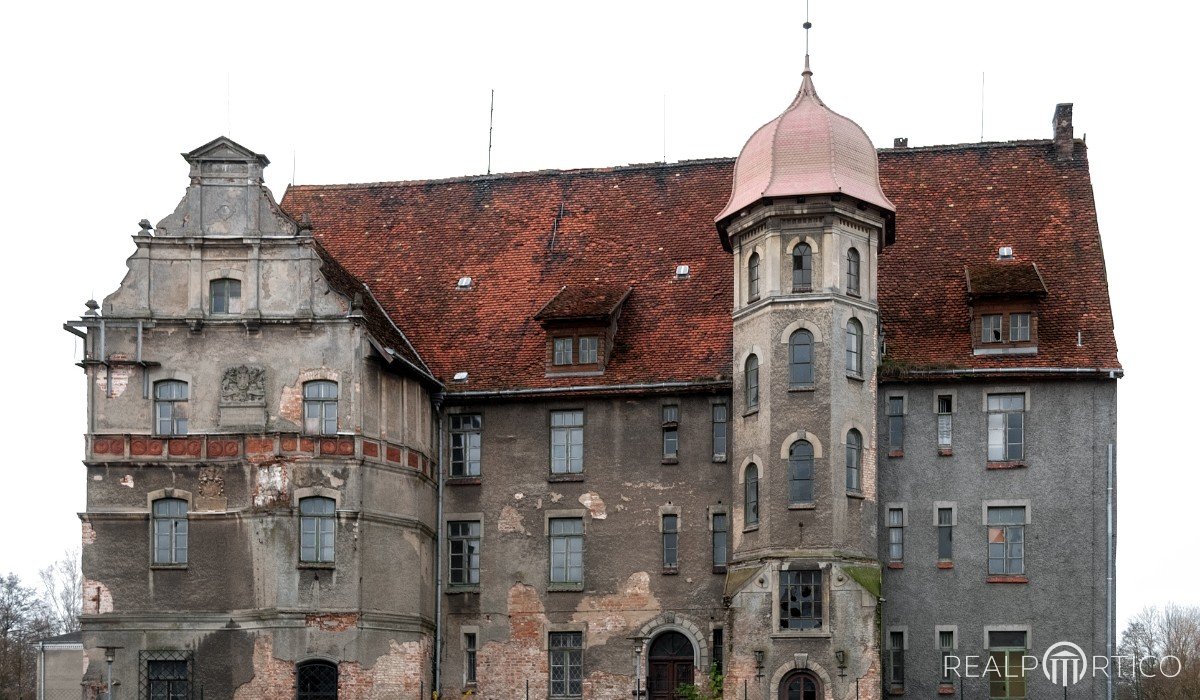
332	622
274	679
89	533
1007	579
97	599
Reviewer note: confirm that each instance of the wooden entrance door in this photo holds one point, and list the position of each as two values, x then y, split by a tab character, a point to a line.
672	664
799	686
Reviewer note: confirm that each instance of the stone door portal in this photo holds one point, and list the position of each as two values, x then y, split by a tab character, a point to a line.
672	664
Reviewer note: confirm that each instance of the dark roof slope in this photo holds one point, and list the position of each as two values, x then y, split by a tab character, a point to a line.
1005	278
523	237
955	207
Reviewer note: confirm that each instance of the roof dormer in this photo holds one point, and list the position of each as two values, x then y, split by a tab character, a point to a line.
581	322
1004	297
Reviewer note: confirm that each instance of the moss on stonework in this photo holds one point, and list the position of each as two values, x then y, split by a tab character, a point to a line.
866	576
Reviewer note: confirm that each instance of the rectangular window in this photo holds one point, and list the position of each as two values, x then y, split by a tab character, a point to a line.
945	525
1018	328
466	436
167	680
896	534
1006	427
589	346
946	649
566	664
1006	540
563	351
1006	676
464	552
896	660
895	413
991	328
566	442
945	420
800	601
670	432
469	647
718	649
170	531
566	550
720	541
318	523
670	542
720	431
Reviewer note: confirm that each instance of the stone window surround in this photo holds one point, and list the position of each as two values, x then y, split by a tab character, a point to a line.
937	636
754	460
232	273
448	518
988	629
826	630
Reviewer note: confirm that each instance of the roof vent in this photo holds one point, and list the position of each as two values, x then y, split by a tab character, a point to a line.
900	142
460	376
1006	252
464	282
683	271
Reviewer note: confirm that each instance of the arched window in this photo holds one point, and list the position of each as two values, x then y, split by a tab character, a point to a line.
800	472
317	522
316	680
800	358
170	407
801	268
853	280
751	382
799	685
854	447
321	408
752	277
170	531
752	495
225	296
854	346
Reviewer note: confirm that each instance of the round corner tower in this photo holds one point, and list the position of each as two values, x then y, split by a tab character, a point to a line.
805	223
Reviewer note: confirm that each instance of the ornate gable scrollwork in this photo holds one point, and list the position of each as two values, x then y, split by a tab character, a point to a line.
244	384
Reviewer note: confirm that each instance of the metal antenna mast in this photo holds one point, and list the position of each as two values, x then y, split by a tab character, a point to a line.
491	123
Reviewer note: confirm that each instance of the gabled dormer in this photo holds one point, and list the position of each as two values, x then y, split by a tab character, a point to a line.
1004	297
580	323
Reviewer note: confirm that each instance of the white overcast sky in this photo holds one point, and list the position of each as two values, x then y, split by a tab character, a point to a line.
99	99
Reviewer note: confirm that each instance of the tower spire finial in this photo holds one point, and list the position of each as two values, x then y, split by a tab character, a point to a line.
807	26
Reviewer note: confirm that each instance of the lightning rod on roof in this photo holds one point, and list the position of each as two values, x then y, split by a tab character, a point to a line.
807	26
491	122
982	95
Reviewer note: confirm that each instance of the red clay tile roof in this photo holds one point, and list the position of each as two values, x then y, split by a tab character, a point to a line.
955	207
998	279
584	302
523	237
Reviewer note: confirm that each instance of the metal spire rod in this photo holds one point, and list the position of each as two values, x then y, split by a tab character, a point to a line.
491	123
807	26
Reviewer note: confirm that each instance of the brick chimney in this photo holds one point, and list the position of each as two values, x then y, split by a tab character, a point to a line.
1064	132
900	142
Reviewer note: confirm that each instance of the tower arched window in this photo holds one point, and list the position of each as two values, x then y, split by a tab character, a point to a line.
853	269
854	446
800	472
170	407
752	382
316	680
752	270
751	495
854	347
801	268
800	357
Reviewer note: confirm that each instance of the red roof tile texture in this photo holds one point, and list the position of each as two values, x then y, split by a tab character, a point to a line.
584	302
1004	278
523	237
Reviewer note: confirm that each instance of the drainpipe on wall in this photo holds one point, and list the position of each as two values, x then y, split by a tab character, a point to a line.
1110	613
437	614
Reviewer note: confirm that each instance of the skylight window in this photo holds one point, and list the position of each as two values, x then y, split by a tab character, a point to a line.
460	376
683	271
464	282
1006	252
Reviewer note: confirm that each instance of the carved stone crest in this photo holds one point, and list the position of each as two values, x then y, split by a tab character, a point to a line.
244	384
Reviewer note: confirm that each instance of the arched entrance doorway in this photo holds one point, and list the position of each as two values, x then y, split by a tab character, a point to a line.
672	664
316	680
799	685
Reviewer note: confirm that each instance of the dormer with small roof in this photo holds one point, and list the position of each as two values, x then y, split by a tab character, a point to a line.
1004	296
580	323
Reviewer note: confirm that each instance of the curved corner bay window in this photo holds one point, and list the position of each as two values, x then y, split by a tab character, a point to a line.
752	382
316	680
225	296
321	408
170	407
853	279
800	357
170	531
752	277
800	472
800	600
854	346
854	460
801	268
317	522
751	486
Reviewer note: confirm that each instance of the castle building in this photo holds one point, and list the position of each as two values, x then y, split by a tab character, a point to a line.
822	420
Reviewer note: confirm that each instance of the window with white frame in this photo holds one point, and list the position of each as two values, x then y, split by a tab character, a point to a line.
464	538
317	527
321	407
170	407
895	422
945	421
853	270
720	431
566	551
170	517
1006	540
670	542
895	535
945	534
466	438
566	442
854	347
1006	427
589	346
752	382
670	432
225	296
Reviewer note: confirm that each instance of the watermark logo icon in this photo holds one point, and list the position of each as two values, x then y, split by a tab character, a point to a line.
1064	663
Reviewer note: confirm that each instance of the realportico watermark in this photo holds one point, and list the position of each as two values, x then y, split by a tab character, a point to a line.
1064	664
